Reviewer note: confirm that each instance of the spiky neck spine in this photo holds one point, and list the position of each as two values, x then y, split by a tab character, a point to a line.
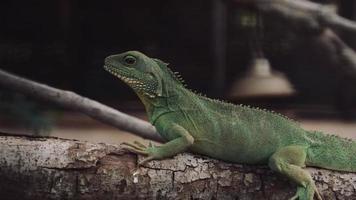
175	90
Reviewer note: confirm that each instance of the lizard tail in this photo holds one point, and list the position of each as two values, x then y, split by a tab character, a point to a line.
332	152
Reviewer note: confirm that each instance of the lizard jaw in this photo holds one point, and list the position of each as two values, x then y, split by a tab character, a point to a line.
132	82
124	78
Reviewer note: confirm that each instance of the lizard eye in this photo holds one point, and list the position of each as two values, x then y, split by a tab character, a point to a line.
130	60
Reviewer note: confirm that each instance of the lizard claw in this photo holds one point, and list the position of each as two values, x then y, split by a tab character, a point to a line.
150	144
318	196
136	148
307	193
139	144
147	159
294	197
139	148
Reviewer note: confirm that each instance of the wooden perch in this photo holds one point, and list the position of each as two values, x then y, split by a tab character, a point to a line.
73	101
51	168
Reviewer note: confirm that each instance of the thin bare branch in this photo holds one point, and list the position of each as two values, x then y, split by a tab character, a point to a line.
320	21
345	57
314	15
73	101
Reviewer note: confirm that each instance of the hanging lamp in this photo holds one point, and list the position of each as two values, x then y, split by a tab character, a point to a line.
260	79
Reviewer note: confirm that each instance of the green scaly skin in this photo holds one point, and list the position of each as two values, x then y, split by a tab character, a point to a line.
238	134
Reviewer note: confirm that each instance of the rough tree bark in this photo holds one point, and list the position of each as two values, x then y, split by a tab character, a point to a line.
52	168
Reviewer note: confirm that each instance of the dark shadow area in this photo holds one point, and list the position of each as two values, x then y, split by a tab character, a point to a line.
63	43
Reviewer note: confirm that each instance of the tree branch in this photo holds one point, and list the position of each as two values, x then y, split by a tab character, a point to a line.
50	168
314	15
73	101
338	52
320	22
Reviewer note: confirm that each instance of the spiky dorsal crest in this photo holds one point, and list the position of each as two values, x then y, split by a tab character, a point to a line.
175	75
332	136
231	106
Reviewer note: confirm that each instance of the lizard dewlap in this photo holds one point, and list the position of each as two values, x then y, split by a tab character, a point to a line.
239	134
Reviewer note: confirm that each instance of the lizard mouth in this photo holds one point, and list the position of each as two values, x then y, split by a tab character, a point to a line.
132	79
121	74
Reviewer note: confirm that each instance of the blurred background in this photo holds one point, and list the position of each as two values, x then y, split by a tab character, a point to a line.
222	50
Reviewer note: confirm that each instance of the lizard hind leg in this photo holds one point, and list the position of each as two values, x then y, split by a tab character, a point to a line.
289	161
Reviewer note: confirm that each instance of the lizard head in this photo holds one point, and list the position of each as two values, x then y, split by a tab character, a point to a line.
141	73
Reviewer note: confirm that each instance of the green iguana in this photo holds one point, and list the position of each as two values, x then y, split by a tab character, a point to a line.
238	134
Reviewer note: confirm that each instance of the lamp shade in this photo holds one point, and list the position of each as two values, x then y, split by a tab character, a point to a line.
261	80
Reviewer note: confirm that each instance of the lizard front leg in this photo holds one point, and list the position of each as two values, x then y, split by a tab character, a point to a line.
169	149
